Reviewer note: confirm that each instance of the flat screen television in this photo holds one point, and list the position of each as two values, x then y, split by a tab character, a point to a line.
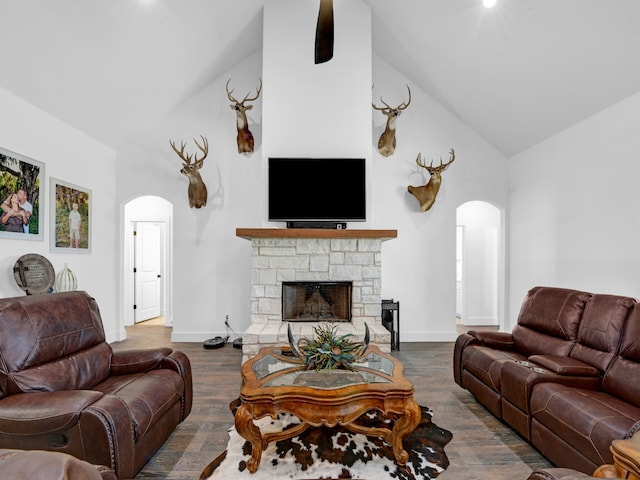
316	190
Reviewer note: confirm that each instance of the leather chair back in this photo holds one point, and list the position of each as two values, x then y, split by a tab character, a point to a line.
50	343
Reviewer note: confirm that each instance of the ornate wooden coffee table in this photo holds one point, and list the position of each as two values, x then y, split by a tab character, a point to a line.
274	381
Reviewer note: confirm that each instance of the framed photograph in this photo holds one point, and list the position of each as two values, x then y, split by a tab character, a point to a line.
70	217
21	196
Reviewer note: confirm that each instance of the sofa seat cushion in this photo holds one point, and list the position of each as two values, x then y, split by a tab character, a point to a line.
41	413
148	396
485	363
586	420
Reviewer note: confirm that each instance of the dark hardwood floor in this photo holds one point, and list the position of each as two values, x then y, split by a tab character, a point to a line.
482	447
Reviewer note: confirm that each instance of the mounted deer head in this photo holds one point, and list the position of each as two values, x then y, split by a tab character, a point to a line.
387	140
426	194
245	137
197	189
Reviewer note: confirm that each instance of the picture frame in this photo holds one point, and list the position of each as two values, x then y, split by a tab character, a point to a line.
24	177
70	206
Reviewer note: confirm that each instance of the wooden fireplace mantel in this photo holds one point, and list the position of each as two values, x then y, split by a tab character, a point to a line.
250	233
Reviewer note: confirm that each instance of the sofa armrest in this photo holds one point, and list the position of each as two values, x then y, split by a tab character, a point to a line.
565	365
136	361
180	363
499	340
107	425
38	413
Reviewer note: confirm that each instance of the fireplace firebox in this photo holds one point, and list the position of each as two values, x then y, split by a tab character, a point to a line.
316	301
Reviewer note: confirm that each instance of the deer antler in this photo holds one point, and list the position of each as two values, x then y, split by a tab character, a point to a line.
246	97
439	168
388	108
204	148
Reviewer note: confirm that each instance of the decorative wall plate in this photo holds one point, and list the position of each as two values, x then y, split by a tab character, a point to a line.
34	274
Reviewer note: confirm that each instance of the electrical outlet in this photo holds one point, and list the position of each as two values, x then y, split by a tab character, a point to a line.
226	320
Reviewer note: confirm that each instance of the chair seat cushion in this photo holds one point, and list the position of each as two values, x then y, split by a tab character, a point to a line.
148	396
40	413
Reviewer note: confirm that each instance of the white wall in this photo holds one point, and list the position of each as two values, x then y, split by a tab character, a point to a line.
70	156
212	265
575	220
419	266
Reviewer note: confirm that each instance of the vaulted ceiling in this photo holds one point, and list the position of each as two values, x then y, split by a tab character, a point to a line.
517	73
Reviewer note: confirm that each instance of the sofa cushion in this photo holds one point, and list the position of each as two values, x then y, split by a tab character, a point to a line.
601	329
148	396
626	365
586	420
548	321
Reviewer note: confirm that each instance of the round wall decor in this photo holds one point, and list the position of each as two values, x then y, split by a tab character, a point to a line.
34	274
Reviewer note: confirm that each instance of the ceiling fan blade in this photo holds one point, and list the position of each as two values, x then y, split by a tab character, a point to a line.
324	32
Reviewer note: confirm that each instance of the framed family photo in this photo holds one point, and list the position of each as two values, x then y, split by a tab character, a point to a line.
21	196
70	217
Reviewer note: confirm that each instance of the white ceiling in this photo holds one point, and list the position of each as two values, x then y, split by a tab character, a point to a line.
517	73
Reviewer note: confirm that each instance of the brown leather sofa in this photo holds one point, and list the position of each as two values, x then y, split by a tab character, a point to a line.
566	377
44	465
63	388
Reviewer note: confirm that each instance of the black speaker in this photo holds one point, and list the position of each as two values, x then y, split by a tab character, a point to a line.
311	224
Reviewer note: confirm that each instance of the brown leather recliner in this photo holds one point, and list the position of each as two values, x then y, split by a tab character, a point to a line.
63	388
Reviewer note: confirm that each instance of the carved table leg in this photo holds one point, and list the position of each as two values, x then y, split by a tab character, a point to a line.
249	431
407	423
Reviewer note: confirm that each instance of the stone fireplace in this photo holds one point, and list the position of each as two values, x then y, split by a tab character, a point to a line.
284	257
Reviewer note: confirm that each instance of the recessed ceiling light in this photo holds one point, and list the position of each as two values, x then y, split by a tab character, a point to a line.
488	3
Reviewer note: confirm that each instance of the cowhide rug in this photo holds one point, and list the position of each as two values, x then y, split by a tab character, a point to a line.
333	453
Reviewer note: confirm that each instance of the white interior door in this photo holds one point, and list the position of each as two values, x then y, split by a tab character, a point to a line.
147	270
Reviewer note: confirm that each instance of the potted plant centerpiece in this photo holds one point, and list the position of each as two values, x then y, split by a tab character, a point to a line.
327	350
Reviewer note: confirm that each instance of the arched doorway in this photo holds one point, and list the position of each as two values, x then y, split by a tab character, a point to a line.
153	216
480	265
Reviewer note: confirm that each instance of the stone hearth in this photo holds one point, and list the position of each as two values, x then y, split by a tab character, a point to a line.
313	255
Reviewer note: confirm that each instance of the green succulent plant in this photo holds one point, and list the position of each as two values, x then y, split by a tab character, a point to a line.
328	350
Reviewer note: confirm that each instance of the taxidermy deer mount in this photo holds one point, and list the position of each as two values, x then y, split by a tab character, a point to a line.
324	32
426	194
387	140
245	137
197	189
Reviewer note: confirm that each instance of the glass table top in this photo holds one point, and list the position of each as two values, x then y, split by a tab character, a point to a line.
275	369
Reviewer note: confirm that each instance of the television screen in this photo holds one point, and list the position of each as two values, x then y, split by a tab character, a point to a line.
317	189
